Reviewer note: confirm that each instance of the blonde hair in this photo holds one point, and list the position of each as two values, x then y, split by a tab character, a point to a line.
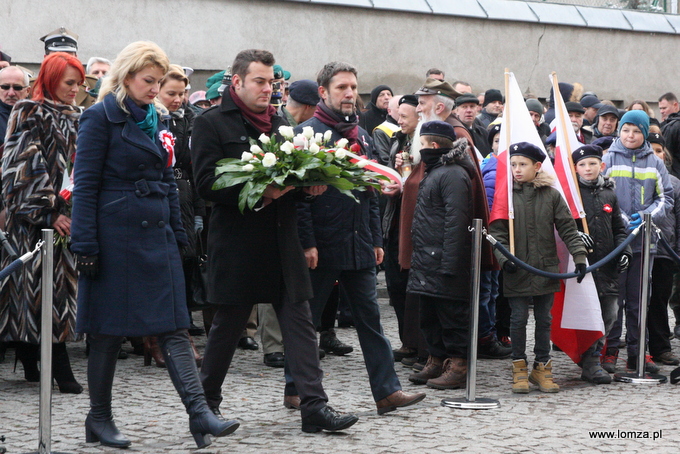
175	72
132	59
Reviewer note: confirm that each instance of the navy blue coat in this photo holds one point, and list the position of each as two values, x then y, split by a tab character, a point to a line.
126	211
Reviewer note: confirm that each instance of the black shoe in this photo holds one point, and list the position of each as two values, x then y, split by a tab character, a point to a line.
490	348
345	323
411	360
275	359
195	330
104	432
329	342
327	419
404	352
248	343
322	354
122	354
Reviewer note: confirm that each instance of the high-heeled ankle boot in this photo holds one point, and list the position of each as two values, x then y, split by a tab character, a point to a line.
101	367
28	355
151	350
181	365
61	370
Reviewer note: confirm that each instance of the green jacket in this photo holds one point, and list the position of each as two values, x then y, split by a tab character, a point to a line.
539	210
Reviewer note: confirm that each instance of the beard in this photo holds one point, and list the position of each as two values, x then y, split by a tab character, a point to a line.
429	116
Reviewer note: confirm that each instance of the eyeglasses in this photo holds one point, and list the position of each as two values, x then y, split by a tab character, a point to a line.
6	87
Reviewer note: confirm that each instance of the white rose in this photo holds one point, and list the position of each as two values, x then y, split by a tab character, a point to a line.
269	159
340	153
361	164
248	168
327	135
286	132
300	142
314	148
246	156
318	137
287	147
342	143
308	132
255	149
264	138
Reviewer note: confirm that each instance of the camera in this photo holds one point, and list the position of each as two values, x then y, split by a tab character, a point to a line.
277	94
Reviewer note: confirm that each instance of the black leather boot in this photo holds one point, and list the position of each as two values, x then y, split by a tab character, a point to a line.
28	355
62	372
101	367
327	419
181	365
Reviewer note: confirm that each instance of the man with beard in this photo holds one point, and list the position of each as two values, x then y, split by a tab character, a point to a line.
607	121
342	240
255	256
376	110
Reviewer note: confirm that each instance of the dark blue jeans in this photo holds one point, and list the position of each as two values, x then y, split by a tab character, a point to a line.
518	325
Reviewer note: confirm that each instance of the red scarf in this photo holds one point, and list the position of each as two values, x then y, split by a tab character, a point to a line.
347	126
261	121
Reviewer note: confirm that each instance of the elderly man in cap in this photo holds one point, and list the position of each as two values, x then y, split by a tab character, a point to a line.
591	104
576	111
606	122
13	88
492	107
302	100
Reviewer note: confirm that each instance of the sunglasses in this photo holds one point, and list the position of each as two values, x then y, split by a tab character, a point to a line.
15	87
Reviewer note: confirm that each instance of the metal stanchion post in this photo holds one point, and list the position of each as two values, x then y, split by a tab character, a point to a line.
45	429
640	376
469	402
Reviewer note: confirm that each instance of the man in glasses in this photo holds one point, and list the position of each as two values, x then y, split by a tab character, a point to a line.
13	88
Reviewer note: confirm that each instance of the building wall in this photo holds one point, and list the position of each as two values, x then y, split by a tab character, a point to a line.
389	47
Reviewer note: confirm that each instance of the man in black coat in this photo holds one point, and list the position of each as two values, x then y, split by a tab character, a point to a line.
342	240
255	256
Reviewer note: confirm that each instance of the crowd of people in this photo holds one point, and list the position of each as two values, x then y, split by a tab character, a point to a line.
119	158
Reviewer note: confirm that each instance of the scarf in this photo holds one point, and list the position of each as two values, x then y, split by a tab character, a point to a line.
347	126
261	121
145	117
409	196
599	181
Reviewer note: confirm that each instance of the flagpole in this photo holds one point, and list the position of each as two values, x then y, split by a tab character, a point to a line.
556	90
511	220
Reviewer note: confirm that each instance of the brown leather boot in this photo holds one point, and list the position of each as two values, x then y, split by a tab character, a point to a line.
432	369
152	350
520	377
454	375
197	356
542	376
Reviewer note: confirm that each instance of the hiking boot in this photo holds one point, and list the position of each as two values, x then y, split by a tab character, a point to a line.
593	372
667	358
454	375
330	343
520	376
490	348
650	366
432	369
609	360
542	376
505	341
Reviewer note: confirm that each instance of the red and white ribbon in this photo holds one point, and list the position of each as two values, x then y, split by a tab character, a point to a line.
377	168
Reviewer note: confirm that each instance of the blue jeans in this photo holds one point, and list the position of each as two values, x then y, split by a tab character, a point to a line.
518	325
488	292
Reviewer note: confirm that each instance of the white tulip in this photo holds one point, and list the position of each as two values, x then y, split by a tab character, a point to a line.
248	168
318	137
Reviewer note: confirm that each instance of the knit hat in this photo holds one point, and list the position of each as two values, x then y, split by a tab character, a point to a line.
528	150
534	105
492	95
638	118
305	91
377	90
493	130
438	128
587	151
655	137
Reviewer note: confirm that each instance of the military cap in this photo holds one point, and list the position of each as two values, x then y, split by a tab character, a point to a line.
60	40
528	150
213	92
587	151
280	73
437	87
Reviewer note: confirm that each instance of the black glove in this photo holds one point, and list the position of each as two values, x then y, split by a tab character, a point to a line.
587	240
509	267
88	265
580	272
623	263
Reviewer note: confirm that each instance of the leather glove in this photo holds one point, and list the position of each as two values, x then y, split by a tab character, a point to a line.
580	272
88	265
623	263
635	221
198	224
510	267
587	240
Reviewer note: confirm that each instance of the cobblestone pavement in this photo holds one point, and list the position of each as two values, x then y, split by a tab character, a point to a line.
149	412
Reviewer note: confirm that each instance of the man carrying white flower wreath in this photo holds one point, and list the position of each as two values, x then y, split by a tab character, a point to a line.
255	256
342	239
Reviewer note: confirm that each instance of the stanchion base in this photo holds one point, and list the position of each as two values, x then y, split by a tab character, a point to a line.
51	452
648	379
479	403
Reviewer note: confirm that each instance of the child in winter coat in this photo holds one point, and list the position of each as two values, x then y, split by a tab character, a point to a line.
607	231
539	209
642	186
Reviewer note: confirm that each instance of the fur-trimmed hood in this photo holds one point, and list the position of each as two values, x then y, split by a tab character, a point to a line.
457	153
542	180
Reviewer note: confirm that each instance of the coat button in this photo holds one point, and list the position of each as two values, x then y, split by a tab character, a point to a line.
145	224
159	165
142	167
138	193
432	253
243	137
161	224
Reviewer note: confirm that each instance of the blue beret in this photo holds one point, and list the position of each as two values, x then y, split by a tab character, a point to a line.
605	142
528	150
438	128
587	151
305	91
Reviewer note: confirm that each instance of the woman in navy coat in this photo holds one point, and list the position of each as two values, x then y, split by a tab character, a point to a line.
126	234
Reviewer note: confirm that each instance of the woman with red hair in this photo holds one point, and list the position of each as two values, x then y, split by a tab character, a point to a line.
36	164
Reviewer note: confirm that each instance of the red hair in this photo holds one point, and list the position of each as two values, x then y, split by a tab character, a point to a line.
51	72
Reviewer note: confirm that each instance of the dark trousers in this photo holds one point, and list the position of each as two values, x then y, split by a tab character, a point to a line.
503	311
299	337
358	288
445	324
396	280
657	318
